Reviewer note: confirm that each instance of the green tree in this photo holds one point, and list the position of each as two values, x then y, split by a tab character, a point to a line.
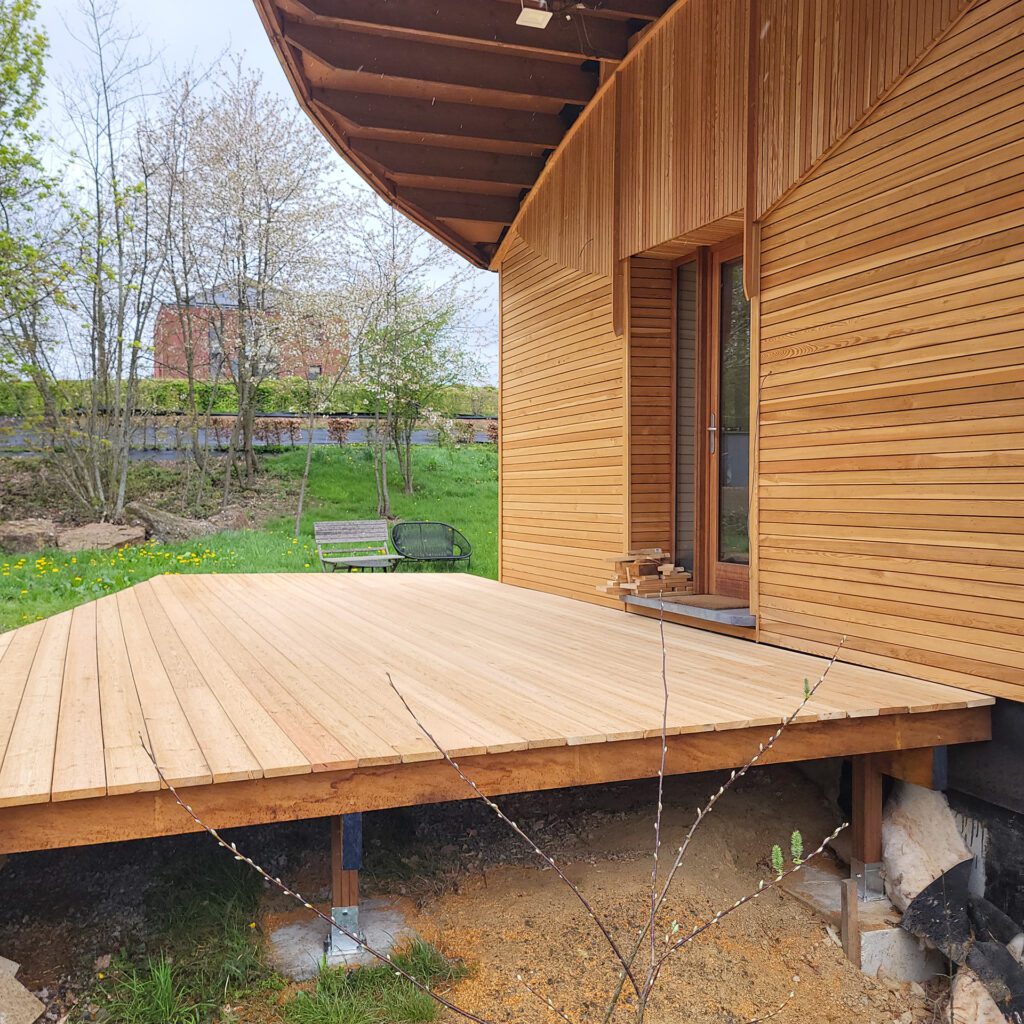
24	184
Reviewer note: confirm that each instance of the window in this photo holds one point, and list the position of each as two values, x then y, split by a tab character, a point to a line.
313	372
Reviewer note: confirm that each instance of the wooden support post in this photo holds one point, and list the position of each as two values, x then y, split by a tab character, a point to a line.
866	859
346	860
849	921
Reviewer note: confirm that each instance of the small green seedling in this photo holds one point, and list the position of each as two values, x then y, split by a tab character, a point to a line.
777	862
796	847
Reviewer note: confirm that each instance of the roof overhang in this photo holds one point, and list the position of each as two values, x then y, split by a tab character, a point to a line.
449	109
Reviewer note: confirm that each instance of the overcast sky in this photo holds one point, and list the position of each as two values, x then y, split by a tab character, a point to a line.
180	31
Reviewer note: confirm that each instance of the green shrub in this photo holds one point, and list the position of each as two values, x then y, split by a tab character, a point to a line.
289	394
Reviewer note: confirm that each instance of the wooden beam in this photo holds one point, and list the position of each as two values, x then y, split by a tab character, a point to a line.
460	121
485	24
292	63
465	164
867	810
641	10
923	767
462	205
321	794
849	921
435	65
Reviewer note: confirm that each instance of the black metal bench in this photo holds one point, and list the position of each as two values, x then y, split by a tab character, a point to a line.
431	542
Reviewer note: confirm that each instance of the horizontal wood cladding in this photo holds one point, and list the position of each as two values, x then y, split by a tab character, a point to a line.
682	124
569	218
891	493
651	404
660	156
563	427
822	65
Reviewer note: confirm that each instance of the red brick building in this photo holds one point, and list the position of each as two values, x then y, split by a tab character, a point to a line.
212	325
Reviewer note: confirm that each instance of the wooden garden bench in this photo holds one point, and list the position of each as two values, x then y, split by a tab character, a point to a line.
354	544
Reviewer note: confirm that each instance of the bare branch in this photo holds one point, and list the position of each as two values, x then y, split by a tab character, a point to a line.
626	968
773	1013
232	848
544	999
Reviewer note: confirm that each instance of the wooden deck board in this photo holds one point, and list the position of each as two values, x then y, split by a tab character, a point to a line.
253	680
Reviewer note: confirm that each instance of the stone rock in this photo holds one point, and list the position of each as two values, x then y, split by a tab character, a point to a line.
23	535
17	1004
99	537
170	527
231	518
970	1002
920	841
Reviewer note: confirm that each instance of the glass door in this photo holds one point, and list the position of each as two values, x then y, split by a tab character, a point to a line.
728	432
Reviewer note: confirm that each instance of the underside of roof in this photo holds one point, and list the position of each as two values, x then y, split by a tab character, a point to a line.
449	108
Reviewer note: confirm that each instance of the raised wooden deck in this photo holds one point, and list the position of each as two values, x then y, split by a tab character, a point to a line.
265	697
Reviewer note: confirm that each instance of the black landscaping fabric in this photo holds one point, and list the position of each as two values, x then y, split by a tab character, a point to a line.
973	933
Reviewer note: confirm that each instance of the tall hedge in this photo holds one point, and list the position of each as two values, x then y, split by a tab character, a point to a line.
20	398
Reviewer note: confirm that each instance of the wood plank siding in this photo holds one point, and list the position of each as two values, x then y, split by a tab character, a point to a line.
563	427
892	377
570	218
683	111
876	171
823	64
651	404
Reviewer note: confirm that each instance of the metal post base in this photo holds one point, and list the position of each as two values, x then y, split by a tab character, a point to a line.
869	879
338	943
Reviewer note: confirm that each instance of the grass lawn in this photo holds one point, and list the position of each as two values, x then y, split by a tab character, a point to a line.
454	486
202	962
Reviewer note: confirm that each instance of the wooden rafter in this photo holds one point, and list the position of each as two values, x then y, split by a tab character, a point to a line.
642	10
484	24
466	73
377	116
449	109
403	159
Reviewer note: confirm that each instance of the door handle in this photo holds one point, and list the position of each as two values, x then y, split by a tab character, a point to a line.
712	430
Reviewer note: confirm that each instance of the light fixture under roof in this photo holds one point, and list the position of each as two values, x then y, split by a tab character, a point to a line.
533	17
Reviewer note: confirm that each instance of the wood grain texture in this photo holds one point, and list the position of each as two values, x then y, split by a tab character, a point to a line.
682	139
569	217
892	425
139	815
651	401
489	668
822	65
562	458
673	150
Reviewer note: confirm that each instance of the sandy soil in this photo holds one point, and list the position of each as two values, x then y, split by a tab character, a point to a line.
523	921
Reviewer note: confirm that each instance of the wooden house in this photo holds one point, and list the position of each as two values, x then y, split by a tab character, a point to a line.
762	300
761	293
762	309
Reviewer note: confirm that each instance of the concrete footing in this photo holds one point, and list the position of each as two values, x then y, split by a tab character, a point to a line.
886	950
296	943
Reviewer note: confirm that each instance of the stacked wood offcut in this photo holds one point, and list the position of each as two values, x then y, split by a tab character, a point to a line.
647	572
